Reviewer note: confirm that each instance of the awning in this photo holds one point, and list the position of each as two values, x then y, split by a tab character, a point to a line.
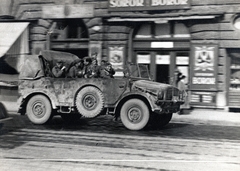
9	33
161	20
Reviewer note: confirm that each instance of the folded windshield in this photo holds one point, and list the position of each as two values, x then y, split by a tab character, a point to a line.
138	70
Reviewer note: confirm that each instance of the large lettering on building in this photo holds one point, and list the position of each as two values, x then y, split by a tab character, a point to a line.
118	5
169	2
126	3
204	67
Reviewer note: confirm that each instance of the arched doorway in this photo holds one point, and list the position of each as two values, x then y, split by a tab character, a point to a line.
70	35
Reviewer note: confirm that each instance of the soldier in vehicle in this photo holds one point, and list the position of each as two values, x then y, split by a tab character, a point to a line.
59	71
87	62
77	70
94	68
106	70
103	64
91	67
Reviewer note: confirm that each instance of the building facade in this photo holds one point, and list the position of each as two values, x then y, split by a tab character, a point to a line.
199	38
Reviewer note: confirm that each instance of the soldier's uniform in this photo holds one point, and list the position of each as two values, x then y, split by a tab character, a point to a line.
92	70
106	70
59	70
76	71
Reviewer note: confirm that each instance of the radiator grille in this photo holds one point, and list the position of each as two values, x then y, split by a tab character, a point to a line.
171	92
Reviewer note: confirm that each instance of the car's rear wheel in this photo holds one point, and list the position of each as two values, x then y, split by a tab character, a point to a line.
134	114
39	109
89	101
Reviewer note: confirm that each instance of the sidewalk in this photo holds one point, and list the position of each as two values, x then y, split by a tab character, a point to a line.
209	116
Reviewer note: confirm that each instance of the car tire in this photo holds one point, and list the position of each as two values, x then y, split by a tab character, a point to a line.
89	102
39	109
134	114
160	120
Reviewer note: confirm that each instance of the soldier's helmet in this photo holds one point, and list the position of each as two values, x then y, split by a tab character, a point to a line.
87	59
108	66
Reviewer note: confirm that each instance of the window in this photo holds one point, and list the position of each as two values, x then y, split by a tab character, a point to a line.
144	31
70	29
163	30
182	64
180	30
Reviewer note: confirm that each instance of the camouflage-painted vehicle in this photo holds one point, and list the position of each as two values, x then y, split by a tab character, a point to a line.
134	98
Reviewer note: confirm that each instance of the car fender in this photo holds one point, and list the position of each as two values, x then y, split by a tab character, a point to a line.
145	96
27	95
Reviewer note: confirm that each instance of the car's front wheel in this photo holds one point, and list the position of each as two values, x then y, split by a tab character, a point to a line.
134	114
39	109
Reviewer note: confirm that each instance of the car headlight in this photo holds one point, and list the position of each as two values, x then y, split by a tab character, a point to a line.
160	95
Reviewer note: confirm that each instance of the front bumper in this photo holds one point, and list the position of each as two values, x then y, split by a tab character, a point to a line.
167	106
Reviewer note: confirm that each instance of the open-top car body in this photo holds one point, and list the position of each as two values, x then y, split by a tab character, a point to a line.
135	98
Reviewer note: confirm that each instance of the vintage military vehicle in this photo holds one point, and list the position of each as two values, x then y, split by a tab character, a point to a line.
135	98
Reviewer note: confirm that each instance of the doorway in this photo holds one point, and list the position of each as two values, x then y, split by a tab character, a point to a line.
162	62
162	74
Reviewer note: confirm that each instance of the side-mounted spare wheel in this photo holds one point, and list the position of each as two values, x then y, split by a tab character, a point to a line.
39	109
134	114
89	101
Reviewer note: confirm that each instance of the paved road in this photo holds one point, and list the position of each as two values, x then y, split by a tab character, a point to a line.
186	144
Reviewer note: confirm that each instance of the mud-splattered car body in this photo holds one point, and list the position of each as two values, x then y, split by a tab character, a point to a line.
90	97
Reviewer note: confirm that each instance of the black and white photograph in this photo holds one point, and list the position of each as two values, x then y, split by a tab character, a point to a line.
120	85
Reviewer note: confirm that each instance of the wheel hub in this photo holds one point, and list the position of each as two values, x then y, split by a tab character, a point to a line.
39	109
89	101
134	115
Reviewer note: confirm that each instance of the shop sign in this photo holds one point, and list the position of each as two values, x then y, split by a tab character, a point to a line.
203	67
68	11
116	56
203	98
162	44
129	5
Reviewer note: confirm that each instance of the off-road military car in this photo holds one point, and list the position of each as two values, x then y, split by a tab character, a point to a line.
134	98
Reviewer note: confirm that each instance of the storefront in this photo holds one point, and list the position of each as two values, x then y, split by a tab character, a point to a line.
201	39
164	40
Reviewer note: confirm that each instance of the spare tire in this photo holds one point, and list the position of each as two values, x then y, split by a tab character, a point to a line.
89	101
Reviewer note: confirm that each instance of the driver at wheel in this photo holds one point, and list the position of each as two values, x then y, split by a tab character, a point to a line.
59	71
